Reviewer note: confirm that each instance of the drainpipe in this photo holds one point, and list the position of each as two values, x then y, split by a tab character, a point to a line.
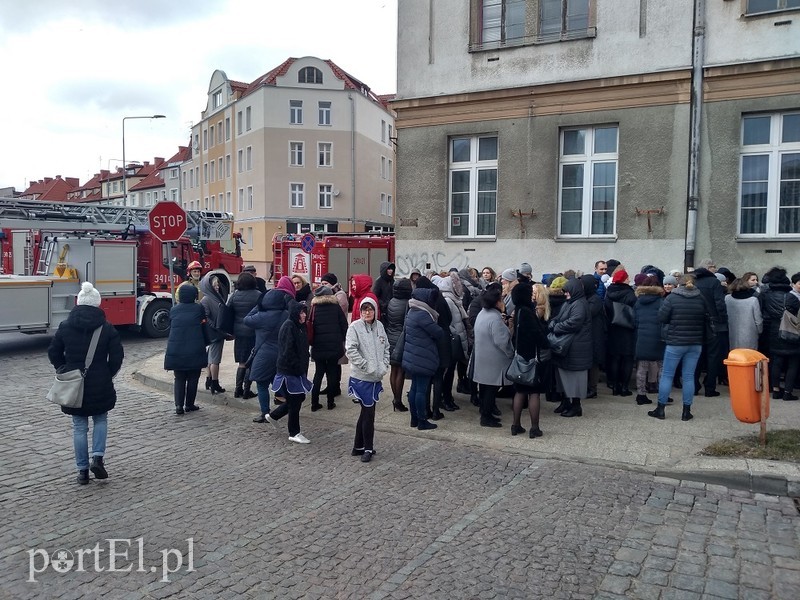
353	154
695	112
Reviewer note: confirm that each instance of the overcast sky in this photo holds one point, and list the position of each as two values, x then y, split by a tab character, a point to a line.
73	69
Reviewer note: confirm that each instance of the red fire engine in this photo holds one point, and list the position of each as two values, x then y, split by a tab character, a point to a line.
311	255
55	246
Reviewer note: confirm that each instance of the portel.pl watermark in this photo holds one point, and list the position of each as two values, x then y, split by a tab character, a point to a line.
113	555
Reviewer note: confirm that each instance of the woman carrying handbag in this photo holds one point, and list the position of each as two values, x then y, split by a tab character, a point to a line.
68	349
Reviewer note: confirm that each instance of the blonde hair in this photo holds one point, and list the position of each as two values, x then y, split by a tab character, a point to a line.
688	281
542	301
301	278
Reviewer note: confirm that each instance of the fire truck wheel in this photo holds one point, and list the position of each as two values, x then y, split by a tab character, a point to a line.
155	323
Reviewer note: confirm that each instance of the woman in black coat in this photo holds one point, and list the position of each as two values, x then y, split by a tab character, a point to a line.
530	339
621	340
395	320
186	348
242	301
67	351
784	356
599	330
329	328
649	345
444	348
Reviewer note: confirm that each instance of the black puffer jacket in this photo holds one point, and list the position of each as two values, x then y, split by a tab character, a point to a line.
396	311
69	348
649	345
774	300
598	314
186	345
420	355
293	343
242	302
383	288
574	318
621	341
683	314
714	293
330	328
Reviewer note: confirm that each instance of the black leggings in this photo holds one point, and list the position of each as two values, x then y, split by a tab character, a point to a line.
292	407
185	387
365	429
329	368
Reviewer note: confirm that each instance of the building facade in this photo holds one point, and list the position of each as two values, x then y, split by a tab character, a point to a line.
561	132
305	147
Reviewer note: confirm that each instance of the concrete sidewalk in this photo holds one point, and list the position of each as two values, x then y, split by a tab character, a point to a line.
613	431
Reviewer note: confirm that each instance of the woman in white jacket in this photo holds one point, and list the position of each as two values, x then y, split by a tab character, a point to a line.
367	348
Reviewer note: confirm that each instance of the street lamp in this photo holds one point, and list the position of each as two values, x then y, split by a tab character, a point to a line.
124	164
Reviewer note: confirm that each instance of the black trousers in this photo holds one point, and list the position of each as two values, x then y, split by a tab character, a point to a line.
291	407
332	371
711	360
185	387
365	429
487	395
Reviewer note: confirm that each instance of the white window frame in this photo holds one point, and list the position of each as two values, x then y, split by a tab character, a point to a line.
239	123
296	154
212	139
325	196
295	112
474	167
240	203
248	158
240	160
383	203
774	150
250	237
389	207
324	113
588	159
228	202
249	197
383	167
227	165
173	173
780	6
248	118
297	195
217	102
227	129
325	154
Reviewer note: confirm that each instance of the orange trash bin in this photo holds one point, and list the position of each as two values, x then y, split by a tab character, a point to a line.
749	380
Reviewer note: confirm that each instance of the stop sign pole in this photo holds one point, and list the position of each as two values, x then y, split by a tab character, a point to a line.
167	222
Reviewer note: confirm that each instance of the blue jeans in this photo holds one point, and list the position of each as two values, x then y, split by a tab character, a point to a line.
418	396
80	438
672	356
263	396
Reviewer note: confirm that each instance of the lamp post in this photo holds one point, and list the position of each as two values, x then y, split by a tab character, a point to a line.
124	164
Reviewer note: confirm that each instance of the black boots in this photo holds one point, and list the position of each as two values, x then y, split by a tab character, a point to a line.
215	387
398	406
564	406
687	413
208	382
643	399
575	409
657	412
625	391
98	468
83	476
238	392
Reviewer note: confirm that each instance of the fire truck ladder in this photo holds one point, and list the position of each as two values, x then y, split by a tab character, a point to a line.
91	217
43	266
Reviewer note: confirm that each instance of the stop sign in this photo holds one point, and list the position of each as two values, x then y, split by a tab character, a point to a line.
167	221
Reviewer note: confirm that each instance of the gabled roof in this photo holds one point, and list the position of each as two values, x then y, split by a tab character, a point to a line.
152	176
51	189
182	155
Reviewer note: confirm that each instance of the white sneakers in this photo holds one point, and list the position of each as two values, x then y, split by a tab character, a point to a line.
299	439
271	421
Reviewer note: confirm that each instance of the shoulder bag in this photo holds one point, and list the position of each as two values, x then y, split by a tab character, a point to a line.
623	316
67	389
789	327
523	371
559	344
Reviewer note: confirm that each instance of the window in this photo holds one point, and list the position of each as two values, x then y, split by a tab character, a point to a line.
560	18
324	113
219	132
240	161
390	171
248	118
239	123
769	197
389	205
325	195
383	131
295	154
227	128
205	172
248	158
212	136
217	102
250	237
185	179
296	112
221	203
228	202
309	75
205	139
173	173
325	154
383	167
383	204
755	7
205	205
196	147
588	181
240	203
213	203
473	186
502	21
227	165
390	134
220	172
249	197
297	195
213	171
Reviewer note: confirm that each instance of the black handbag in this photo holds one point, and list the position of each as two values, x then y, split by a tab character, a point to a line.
456	349
623	316
559	344
224	321
525	372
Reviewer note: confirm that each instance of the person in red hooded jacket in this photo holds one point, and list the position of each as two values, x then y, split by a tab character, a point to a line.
360	288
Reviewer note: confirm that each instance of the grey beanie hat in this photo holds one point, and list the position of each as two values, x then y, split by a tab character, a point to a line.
670	279
509	275
323	290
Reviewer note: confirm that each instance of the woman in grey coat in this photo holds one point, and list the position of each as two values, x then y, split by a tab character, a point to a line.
745	321
491	354
573	369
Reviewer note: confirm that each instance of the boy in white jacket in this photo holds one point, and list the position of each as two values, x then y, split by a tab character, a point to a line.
367	348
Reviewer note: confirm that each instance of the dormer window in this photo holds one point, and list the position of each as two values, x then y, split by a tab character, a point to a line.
217	99
309	75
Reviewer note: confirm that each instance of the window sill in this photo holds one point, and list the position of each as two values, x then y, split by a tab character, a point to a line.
467	238
586	239
536	40
786	237
769	13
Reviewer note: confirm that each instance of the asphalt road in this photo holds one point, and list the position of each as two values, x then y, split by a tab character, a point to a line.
210	505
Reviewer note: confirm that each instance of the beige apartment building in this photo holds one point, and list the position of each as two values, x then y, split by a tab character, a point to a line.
304	148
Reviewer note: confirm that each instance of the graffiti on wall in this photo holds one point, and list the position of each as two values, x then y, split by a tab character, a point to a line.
424	261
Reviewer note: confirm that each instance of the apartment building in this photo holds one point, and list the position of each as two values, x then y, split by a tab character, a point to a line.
305	147
565	131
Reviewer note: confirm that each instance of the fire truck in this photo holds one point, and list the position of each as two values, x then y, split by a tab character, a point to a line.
311	255
48	249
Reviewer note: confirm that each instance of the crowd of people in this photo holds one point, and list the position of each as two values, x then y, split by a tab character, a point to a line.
457	331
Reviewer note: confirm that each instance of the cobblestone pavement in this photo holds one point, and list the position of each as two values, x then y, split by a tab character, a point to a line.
255	516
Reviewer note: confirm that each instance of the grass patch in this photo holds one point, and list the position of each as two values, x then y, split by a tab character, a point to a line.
782	444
